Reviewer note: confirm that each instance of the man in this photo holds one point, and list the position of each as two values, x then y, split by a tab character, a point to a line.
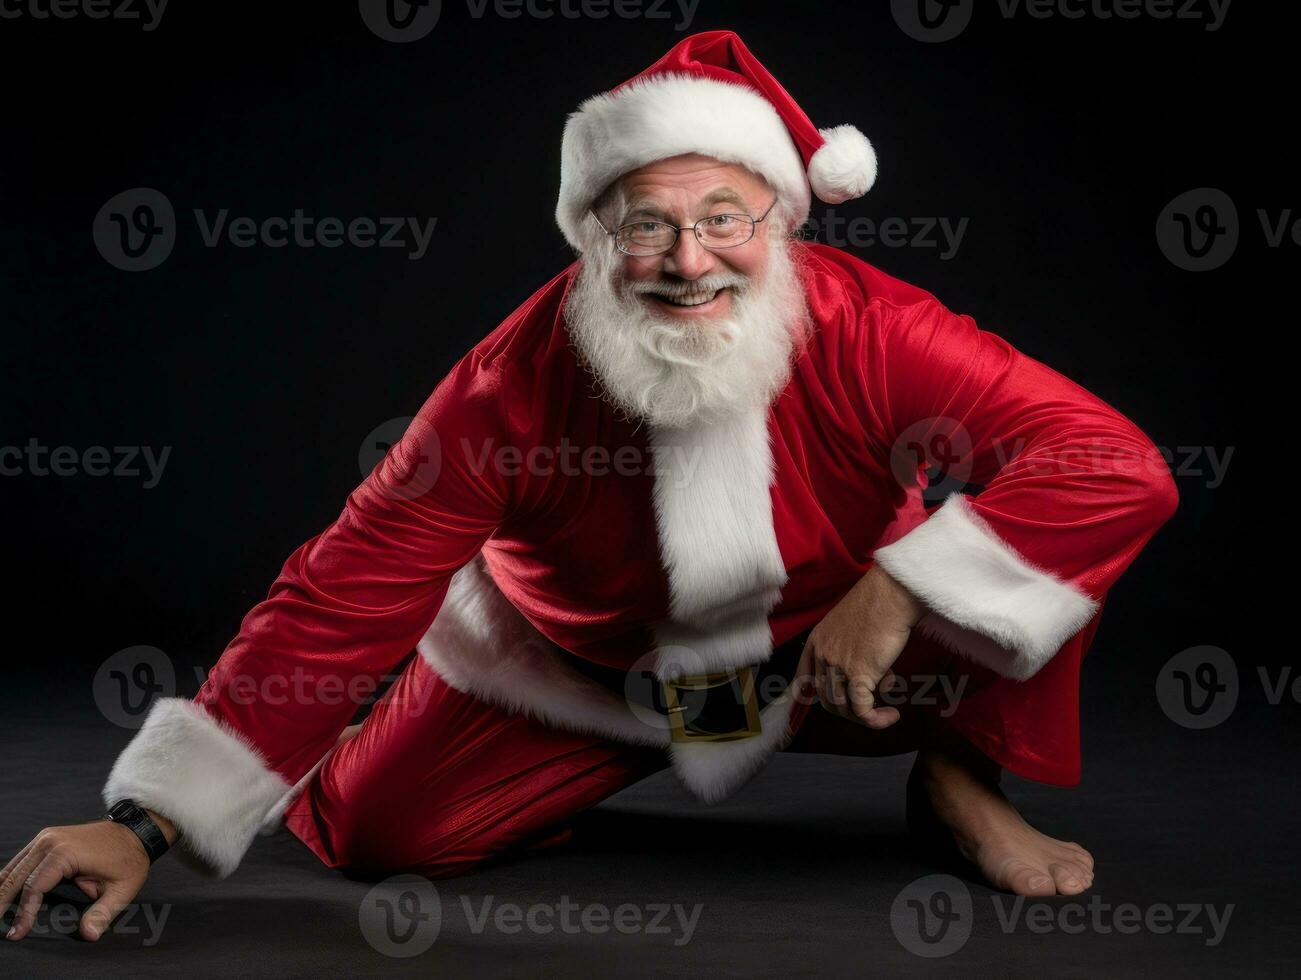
672	504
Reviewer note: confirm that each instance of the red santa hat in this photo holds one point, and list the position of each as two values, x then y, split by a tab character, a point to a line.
708	95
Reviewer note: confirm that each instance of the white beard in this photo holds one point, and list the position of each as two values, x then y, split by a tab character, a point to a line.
671	372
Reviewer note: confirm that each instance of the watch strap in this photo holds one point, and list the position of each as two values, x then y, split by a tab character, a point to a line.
129	814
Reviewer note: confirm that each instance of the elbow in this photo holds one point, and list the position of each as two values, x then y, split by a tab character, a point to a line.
1161	496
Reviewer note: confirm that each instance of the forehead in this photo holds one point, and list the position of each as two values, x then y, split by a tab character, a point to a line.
690	179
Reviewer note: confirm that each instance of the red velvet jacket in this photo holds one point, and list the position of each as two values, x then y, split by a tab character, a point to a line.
598	530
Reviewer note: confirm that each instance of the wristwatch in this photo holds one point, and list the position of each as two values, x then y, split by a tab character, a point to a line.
129	815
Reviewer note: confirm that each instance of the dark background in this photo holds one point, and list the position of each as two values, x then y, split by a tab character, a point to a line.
265	369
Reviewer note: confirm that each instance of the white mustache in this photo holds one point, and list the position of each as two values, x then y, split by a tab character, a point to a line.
692	287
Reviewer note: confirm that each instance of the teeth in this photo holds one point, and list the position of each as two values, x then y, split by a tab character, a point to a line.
692	299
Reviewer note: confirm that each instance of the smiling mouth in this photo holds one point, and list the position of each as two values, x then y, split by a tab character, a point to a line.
687	300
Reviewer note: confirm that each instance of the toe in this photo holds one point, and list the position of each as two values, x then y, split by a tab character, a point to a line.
1080	855
1068	878
1025	879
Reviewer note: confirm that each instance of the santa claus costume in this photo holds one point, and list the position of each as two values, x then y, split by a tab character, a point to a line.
532	588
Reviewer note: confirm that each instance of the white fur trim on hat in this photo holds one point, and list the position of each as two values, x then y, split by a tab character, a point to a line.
669	115
844	167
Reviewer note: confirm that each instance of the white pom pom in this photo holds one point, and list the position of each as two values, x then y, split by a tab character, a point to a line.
844	167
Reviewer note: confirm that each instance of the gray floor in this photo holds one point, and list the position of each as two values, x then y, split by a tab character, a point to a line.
797	875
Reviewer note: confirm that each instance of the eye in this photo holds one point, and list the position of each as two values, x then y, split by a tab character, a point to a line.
720	221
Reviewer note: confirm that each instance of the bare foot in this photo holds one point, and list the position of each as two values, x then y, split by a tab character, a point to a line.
956	796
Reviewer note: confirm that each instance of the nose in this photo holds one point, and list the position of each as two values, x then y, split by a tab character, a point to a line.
687	258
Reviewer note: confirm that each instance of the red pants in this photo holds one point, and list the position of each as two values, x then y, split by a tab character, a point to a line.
437	781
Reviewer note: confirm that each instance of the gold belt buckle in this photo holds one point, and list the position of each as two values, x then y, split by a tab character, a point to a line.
680	727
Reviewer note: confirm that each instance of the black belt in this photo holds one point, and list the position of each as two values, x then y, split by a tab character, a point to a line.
719	706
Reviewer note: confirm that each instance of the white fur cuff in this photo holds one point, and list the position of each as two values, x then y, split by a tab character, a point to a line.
987	602
200	775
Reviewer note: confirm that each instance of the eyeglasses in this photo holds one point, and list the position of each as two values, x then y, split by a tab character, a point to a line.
717	231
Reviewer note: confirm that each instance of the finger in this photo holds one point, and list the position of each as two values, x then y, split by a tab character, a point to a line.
879	718
21	873
13	863
90	887
820	684
834	697
844	700
831	681
13	875
98	917
805	679
52	870
862	697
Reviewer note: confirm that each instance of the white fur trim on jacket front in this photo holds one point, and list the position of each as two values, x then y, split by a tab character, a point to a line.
203	777
713	511
667	115
986	601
